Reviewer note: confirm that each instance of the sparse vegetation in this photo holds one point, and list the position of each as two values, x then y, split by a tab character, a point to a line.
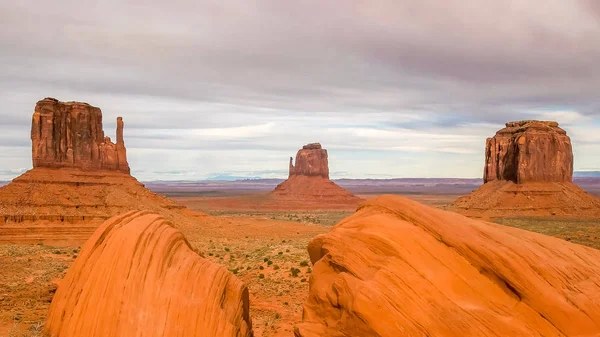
304	263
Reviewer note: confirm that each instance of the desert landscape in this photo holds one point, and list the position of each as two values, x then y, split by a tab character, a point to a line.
381	168
84	245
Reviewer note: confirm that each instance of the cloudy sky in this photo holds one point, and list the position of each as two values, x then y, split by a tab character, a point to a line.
392	88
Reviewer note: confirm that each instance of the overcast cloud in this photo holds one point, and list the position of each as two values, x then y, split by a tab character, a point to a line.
392	88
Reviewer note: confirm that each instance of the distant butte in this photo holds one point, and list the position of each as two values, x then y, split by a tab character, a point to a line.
308	180
528	172
79	179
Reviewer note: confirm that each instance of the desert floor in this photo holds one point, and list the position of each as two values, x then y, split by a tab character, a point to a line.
265	248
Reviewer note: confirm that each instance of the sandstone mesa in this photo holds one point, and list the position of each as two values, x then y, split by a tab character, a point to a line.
138	276
528	172
399	268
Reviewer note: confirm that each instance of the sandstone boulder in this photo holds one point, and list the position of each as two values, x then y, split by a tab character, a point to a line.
399	268
529	151
138	276
70	134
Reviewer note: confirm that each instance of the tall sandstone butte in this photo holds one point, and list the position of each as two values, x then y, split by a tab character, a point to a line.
138	276
528	172
309	182
400	268
529	151
311	161
70	134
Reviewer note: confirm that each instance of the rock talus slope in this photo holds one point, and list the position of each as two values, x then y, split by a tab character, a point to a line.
138	276
399	268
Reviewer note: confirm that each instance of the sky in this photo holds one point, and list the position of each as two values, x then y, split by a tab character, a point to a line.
392	88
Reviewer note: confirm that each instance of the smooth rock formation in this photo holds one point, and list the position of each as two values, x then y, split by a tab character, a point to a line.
311	161
309	181
528	172
70	134
529	151
138	276
400	268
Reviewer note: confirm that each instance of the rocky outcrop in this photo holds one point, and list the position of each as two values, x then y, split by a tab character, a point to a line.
528	151
311	161
399	268
138	276
308	181
70	134
528	172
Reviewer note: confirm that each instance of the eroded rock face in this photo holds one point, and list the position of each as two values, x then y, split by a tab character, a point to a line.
70	134
311	161
529	151
399	268
138	276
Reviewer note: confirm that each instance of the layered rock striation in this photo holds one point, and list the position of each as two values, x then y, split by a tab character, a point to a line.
70	134
529	151
528	172
400	268
138	276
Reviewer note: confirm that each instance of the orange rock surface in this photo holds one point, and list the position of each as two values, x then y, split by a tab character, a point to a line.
138	276
399	268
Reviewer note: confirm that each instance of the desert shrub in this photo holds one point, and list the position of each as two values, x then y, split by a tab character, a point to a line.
304	263
294	271
261	268
227	249
280	253
261	276
276	267
269	262
266	259
303	280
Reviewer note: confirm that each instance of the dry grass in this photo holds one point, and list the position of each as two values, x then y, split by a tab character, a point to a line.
583	232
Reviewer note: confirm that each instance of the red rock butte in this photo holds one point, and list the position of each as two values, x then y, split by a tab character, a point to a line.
70	134
309	180
528	172
139	276
400	268
79	179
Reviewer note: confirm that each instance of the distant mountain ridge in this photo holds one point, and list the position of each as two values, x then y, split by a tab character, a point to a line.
586	174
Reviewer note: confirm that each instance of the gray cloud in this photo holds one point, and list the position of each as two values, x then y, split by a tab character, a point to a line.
306	66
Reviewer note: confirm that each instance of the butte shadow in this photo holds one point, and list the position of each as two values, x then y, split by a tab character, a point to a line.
528	173
79	179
